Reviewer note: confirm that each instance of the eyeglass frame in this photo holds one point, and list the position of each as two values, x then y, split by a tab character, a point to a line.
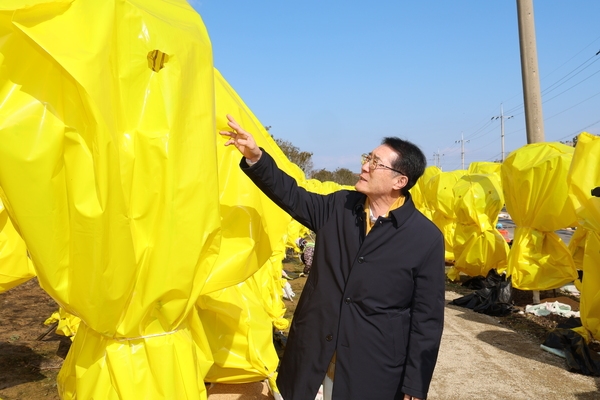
374	163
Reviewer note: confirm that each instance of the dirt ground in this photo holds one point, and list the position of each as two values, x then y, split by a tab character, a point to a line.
31	355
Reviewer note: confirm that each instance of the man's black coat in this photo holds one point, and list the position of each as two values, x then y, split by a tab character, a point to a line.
375	300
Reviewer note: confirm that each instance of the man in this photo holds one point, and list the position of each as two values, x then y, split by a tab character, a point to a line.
373	303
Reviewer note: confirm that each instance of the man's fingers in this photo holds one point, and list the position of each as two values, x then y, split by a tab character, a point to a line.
226	133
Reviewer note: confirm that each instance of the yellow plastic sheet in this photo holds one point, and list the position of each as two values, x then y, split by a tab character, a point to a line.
15	265
577	246
440	198
297	230
67	324
241	315
327	187
109	171
485	167
478	246
418	191
534	179
584	176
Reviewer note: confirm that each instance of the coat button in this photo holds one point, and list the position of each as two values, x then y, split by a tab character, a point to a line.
329	337
361	260
348	300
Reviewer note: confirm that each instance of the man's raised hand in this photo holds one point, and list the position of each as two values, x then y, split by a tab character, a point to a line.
242	140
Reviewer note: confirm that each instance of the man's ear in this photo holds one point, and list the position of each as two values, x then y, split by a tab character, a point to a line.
399	182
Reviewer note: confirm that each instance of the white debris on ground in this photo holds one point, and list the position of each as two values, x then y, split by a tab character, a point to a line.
548	308
570	289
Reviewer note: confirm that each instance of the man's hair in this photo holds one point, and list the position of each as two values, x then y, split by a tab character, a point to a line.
410	160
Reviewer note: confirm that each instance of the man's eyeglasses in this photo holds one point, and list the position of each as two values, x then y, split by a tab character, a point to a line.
374	163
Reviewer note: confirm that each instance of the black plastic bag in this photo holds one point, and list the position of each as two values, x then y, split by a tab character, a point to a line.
578	355
494	296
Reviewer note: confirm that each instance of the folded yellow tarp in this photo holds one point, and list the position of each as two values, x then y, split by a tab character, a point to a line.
440	198
66	324
584	176
534	179
478	246
15	265
109	172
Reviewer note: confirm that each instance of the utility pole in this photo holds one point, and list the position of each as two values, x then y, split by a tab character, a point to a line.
462	142
531	81
529	70
501	117
438	159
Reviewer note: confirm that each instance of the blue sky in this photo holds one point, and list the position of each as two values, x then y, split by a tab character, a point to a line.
334	77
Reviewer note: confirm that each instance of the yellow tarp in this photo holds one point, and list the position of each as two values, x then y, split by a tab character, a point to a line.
67	324
418	191
440	198
485	167
109	171
254	233
297	230
584	176
15	265
478	246
577	246
534	179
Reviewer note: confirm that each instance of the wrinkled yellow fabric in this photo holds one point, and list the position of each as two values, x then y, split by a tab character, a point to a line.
577	246
254	232
327	187
108	167
297	230
478	246
584	176
440	198
417	192
485	167
67	324
15	266
534	179
241	315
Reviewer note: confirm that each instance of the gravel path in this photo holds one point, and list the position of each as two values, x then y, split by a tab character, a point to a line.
479	359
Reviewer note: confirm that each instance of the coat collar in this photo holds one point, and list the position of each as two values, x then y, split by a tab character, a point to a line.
398	216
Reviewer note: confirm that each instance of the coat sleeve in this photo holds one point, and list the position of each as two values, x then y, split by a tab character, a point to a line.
310	209
427	321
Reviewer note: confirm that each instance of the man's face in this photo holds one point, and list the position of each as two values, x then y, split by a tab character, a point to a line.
380	181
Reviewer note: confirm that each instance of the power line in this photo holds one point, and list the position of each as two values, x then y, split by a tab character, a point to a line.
558	83
578	53
573	106
518	110
577	84
578	131
552	86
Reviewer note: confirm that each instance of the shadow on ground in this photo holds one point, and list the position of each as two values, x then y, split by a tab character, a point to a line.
19	364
